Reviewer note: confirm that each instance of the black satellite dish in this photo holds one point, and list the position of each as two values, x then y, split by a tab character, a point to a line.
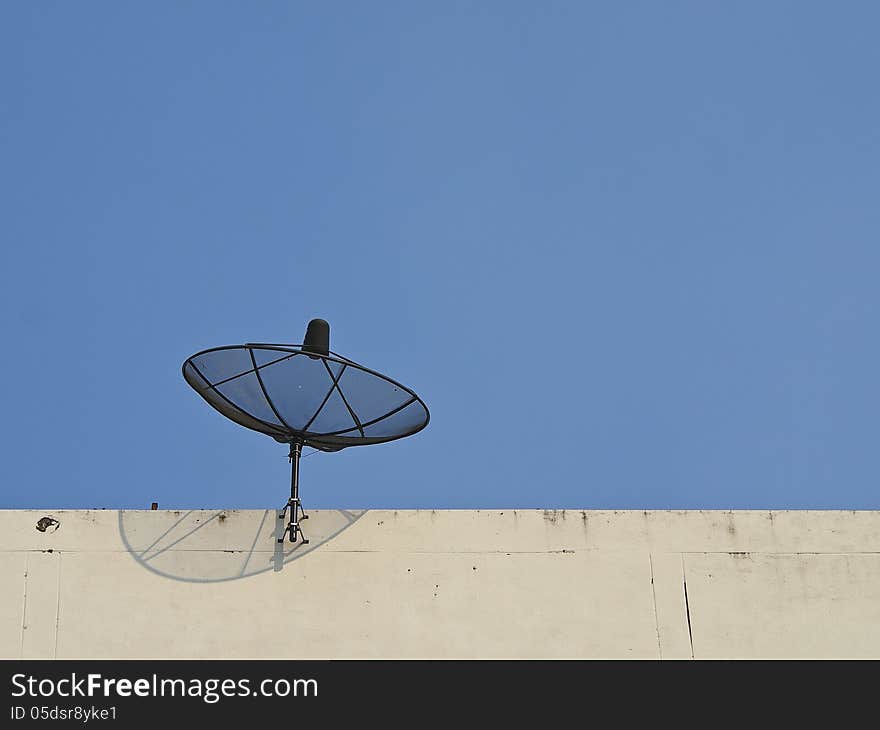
304	395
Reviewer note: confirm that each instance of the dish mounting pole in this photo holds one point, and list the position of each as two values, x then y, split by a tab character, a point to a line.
294	503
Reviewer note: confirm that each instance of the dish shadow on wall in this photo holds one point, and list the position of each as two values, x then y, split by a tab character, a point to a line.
211	546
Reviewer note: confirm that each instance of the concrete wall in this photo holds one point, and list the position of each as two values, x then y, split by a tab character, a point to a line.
499	583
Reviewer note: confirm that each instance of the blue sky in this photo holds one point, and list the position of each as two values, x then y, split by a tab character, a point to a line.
627	252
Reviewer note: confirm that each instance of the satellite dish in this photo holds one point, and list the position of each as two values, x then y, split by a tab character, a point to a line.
304	395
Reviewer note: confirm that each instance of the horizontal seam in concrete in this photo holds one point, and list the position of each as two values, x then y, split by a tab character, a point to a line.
565	551
330	549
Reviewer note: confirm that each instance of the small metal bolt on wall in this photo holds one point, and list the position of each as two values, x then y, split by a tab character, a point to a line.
304	395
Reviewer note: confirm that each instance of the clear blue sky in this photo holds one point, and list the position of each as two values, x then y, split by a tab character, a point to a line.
627	252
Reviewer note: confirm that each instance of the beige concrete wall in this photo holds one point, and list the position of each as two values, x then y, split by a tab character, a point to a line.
484	583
